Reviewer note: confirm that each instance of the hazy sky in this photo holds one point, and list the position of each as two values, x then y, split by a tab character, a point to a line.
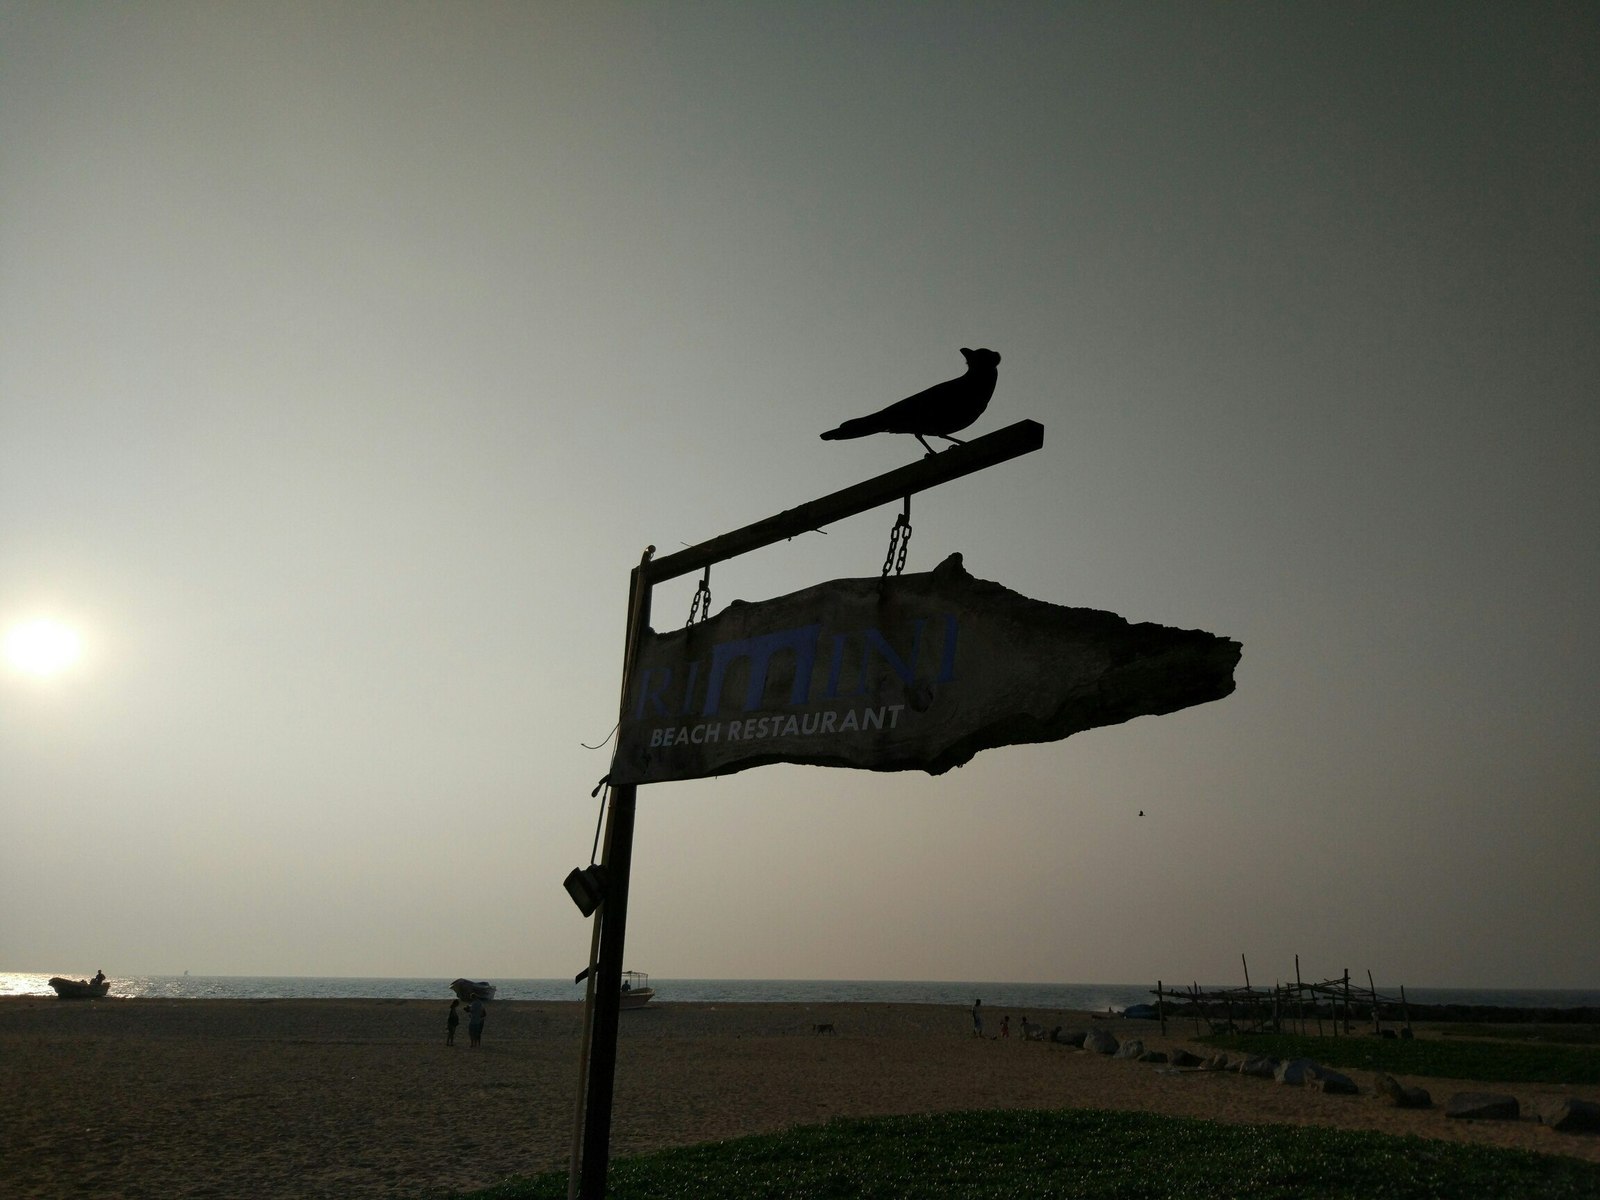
350	355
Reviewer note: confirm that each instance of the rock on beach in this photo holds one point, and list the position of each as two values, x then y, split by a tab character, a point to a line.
1482	1106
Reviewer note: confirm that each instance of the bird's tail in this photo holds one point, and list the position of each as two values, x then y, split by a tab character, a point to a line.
859	427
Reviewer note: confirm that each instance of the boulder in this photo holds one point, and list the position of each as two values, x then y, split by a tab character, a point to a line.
1099	1041
1182	1058
1132	1048
1153	1056
1330	1082
1293	1071
1568	1114
1482	1106
1390	1090
1260	1066
1072	1037
1217	1062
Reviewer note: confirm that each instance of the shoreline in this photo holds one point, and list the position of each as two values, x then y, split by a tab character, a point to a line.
356	1098
1080	996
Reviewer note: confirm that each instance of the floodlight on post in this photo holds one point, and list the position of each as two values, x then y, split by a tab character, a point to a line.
587	887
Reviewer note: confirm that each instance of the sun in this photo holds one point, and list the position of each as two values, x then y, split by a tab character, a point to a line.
42	647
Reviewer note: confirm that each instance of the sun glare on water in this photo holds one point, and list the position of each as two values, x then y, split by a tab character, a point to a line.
43	647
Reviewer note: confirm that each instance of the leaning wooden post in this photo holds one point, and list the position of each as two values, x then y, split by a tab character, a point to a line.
608	998
1405	1009
613	917
1249	1001
1194	991
1161	1008
1377	1026
1347	1000
1299	996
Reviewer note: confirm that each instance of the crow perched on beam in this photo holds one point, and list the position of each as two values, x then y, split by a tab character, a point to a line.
939	411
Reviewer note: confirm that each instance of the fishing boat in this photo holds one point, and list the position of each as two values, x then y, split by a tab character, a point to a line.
467	991
80	989
636	989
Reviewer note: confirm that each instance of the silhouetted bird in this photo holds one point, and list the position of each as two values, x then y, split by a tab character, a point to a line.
939	411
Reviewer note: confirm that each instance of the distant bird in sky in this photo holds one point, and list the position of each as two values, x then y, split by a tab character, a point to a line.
939	411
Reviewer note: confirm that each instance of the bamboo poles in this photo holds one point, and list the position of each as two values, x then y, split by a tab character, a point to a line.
1259	1010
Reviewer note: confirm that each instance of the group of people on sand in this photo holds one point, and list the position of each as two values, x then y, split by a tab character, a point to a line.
475	1015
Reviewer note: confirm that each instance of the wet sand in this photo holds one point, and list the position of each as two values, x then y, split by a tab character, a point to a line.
358	1098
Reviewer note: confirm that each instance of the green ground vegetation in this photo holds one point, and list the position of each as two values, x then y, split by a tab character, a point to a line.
1075	1154
1556	1033
1443	1058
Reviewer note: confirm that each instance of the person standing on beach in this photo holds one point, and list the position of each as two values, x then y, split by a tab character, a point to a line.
450	1022
977	1018
1005	1026
475	1015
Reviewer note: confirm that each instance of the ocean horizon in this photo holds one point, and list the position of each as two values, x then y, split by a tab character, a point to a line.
1091	997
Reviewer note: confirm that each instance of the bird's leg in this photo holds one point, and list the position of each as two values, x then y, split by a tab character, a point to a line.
948	438
925	445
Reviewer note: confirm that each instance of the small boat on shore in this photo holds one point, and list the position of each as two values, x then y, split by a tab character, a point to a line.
81	989
467	991
636	989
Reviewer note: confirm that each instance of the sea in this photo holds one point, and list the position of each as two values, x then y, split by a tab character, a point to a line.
1090	997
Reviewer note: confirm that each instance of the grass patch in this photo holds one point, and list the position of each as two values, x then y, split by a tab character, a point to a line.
1555	1033
1075	1154
1485	1062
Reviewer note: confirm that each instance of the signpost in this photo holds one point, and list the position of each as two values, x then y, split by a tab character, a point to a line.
912	672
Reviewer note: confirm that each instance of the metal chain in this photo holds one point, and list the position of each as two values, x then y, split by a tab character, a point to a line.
899	542
700	606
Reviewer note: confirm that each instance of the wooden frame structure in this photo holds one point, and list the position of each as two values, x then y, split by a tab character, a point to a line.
598	1057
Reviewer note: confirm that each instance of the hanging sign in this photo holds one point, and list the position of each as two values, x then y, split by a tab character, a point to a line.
914	672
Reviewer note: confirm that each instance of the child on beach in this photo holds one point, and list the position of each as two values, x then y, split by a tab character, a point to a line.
475	1014
450	1022
977	1018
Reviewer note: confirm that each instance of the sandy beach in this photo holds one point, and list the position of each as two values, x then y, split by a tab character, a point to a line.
352	1098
